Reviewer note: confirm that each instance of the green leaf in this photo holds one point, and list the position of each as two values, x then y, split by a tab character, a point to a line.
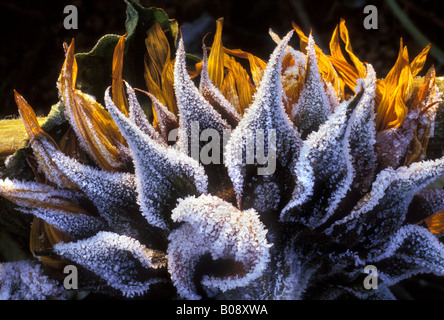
95	67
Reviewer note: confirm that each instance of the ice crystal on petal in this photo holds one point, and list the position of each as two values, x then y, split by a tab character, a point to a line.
24	280
163	174
265	128
214	96
192	105
324	171
314	105
378	213
57	207
424	204
138	117
166	120
362	135
112	193
214	226
410	251
123	262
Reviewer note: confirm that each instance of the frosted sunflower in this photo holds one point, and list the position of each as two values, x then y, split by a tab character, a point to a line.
315	169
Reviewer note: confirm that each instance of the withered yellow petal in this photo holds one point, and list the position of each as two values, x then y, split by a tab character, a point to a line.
94	127
158	49
257	65
216	56
391	109
38	138
358	64
435	223
229	90
326	68
348	72
418	63
168	86
244	87
118	90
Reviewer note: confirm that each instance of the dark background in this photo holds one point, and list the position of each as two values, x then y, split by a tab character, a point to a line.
32	34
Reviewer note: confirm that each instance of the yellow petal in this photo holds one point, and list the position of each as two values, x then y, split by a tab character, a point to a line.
43	236
229	90
348	72
38	138
257	65
168	86
94	127
358	64
158	49
435	223
244	88
391	98
118	90
216	57
159	69
418	63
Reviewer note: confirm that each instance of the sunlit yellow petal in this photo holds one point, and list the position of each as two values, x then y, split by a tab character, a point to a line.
229	90
43	236
168	86
244	87
93	125
38	138
216	57
348	72
391	109
435	223
118	90
257	65
418	63
358	64
158	49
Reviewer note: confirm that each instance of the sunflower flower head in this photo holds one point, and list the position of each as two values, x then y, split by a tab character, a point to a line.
280	181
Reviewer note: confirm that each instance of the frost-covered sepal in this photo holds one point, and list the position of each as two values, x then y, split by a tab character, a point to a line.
380	212
262	149
314	105
25	280
199	123
236	239
138	117
109	191
324	170
122	262
214	96
57	207
163	174
410	251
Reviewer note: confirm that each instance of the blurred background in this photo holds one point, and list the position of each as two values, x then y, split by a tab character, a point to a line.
32	33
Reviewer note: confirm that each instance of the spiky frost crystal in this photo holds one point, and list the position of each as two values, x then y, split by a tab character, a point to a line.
303	230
